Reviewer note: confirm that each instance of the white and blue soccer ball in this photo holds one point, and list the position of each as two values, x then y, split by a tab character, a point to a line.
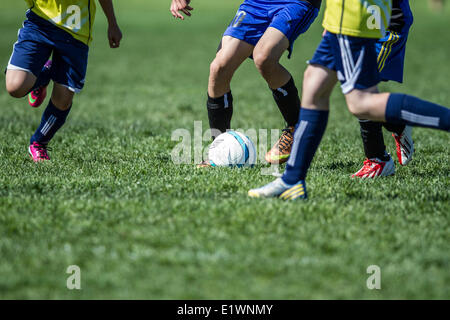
232	149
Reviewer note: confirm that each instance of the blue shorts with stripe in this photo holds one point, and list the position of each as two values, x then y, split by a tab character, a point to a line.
40	39
391	49
354	59
391	56
254	17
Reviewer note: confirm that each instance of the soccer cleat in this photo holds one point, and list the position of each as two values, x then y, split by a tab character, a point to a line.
405	146
37	96
282	149
281	190
375	167
38	152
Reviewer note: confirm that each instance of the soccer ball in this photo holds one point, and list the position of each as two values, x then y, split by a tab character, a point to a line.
232	149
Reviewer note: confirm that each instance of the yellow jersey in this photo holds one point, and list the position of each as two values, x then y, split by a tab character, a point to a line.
74	16
358	18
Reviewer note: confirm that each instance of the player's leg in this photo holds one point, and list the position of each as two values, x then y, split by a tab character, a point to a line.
39	91
391	54
19	82
266	56
391	65
228	59
289	21
53	118
363	100
220	100
68	72
318	83
238	43
361	76
27	68
372	133
378	162
398	109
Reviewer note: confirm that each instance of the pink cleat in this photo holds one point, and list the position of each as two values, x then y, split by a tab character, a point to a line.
37	96
38	152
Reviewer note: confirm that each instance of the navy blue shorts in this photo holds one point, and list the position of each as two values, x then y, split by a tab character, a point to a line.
391	49
354	59
38	40
391	56
291	17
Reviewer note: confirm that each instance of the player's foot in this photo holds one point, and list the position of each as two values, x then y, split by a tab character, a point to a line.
405	146
205	164
282	149
374	168
281	190
37	96
38	152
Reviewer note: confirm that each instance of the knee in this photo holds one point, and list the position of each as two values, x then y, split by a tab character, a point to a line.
218	68
358	108
263	62
313	95
16	88
62	100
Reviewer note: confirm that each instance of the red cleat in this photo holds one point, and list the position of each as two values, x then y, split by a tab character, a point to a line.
374	168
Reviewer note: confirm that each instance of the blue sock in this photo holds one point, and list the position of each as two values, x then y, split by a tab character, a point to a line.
52	120
43	79
307	137
404	109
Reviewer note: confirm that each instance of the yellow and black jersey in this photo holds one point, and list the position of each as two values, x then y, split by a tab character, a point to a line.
358	18
74	16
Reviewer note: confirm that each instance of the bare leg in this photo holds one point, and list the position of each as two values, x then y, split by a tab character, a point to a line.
318	84
267	55
227	61
19	83
368	104
397	109
62	97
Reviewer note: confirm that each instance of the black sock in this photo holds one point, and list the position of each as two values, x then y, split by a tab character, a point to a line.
288	102
394	128
372	136
220	111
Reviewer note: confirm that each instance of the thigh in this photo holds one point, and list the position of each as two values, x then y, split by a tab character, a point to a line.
272	44
293	19
233	52
70	59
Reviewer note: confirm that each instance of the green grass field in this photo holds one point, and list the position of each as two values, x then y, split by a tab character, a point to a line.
112	202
